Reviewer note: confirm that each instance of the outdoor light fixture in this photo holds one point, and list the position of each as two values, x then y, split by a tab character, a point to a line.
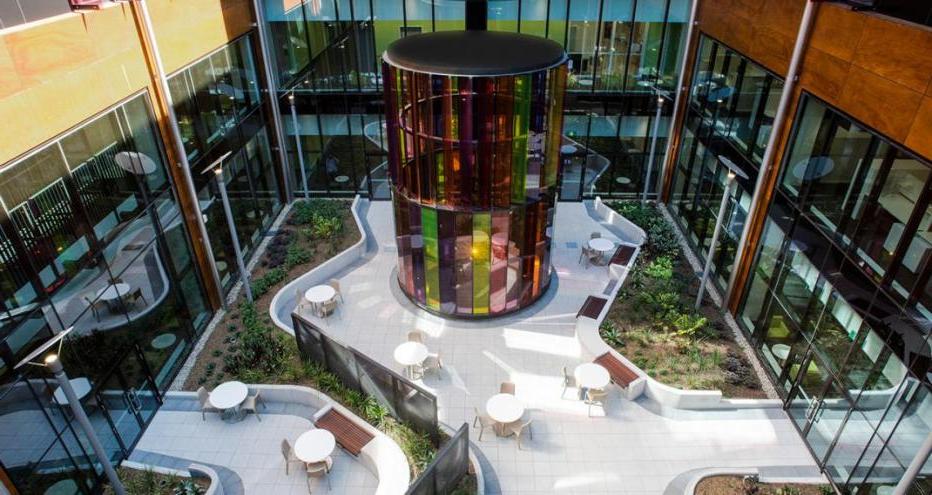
733	172
52	363
217	168
474	122
662	96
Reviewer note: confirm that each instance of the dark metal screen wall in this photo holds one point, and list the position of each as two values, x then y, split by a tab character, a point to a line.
448	467
403	399
474	163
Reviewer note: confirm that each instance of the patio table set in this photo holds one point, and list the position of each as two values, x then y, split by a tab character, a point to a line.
416	358
323	298
505	414
596	251
113	297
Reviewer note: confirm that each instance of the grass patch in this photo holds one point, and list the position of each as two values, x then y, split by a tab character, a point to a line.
653	322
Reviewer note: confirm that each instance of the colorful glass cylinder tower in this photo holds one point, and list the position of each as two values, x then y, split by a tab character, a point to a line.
473	123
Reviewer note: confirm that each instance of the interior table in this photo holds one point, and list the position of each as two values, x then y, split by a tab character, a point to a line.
504	409
228	396
81	386
314	445
113	293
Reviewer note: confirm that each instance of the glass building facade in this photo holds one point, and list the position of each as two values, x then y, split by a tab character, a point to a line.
730	112
474	163
838	302
327	54
219	109
91	238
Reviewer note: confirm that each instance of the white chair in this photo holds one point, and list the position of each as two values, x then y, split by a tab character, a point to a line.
595	235
596	397
507	388
300	302
432	363
569	381
416	336
288	454
318	470
203	397
519	429
328	308
250	405
336	286
483	421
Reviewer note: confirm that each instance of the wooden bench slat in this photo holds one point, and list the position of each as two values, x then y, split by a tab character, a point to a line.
621	374
347	433
592	308
622	255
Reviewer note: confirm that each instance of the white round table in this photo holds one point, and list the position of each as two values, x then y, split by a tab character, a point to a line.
62	487
591	375
81	386
163	341
623	180
320	294
781	351
504	408
567	149
816	167
113	292
410	353
228	395
341	179
601	245
314	445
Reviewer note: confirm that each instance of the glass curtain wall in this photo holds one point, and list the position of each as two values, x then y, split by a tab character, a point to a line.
91	238
731	107
837	306
327	55
219	109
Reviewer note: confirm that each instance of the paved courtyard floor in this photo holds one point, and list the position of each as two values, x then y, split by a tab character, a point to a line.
629	448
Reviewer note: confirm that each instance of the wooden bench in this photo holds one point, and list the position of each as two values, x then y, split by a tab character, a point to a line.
622	255
348	434
621	374
592	308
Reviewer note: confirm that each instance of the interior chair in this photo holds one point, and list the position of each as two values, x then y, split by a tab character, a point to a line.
595	397
483	421
288	454
250	405
318	470
569	381
416	336
519	430
203	398
595	235
135	295
336	286
507	388
96	306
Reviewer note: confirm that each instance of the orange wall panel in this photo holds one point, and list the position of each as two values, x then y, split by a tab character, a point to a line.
56	74
898	52
186	30
920	134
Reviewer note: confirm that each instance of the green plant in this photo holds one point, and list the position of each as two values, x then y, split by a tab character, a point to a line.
296	255
610	334
688	324
259	352
787	490
217	353
325	228
262	284
660	268
187	487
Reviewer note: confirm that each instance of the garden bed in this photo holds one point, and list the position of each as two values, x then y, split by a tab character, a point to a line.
748	485
148	482
301	244
652	322
246	346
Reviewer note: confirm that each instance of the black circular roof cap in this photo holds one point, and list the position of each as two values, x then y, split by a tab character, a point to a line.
474	53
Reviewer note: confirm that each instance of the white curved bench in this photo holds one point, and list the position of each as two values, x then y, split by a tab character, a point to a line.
202	471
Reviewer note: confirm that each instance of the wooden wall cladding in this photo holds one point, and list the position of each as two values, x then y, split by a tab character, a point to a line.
188	29
55	74
764	30
875	68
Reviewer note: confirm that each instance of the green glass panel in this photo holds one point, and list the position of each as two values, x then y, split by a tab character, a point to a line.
519	143
431	257
481	254
557	79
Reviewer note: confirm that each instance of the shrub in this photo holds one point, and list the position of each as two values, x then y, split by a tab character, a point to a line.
187	487
260	352
688	324
660	268
262	284
325	228
610	334
661	239
297	255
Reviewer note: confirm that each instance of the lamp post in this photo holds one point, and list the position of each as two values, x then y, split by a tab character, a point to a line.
217	168
661	96
733	172
297	143
53	364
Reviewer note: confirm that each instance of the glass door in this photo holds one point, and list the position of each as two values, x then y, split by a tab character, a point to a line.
129	398
816	404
